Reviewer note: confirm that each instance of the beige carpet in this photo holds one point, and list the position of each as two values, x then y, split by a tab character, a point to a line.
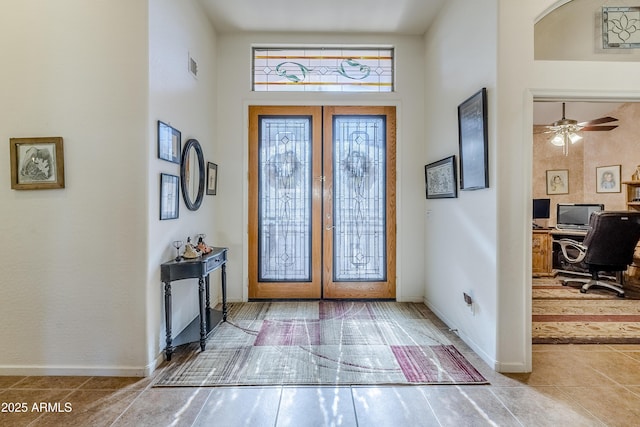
562	314
323	343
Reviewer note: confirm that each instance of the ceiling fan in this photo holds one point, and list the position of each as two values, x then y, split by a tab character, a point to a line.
565	130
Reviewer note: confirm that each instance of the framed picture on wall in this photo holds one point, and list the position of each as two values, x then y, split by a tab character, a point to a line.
558	181
169	141
440	179
169	196
608	179
474	142
212	179
36	163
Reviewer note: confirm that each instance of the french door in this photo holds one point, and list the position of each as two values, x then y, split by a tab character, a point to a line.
322	202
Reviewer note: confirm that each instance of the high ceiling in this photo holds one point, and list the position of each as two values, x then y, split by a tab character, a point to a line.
410	17
327	16
545	113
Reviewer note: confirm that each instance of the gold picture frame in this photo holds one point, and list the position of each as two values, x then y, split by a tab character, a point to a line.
37	163
558	181
608	179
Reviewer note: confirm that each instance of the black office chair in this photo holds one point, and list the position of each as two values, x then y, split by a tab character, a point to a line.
608	246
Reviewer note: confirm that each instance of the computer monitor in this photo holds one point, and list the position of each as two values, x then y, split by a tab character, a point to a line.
570	215
541	208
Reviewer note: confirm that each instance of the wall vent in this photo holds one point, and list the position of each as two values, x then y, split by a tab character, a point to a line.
193	66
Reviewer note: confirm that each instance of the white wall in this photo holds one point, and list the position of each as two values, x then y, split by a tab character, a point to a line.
481	242
72	290
234	97
574	32
176	97
460	233
80	289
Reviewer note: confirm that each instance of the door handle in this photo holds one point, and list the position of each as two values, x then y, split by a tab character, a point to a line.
329	227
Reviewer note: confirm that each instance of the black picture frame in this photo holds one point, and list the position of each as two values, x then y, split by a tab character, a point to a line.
441	180
169	196
169	143
212	179
474	142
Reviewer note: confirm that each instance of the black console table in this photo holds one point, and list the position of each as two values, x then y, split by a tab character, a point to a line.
201	326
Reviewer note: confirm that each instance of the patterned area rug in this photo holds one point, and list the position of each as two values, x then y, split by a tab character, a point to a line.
323	343
563	315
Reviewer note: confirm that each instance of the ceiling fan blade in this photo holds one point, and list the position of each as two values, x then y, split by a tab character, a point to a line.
600	128
598	121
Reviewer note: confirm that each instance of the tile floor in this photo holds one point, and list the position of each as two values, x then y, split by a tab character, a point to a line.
571	385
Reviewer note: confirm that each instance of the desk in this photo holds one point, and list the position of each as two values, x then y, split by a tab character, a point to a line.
541	253
201	326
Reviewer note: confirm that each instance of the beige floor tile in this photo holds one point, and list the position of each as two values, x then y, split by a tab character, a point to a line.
9	381
93	408
53	382
164	407
117	383
544	406
28	405
468	406
626	347
615	366
249	406
564	348
568	368
614	406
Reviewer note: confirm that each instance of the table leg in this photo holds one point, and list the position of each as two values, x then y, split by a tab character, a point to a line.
207	302
203	319
167	318
224	292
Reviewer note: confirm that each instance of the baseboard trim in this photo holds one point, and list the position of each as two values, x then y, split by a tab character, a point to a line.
81	371
467	339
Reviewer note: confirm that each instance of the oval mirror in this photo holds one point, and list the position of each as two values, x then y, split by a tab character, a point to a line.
192	174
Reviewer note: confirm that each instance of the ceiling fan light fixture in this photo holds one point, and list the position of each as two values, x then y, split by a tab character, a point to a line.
574	137
558	140
566	130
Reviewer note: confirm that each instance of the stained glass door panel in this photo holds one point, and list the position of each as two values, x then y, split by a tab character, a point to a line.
359	202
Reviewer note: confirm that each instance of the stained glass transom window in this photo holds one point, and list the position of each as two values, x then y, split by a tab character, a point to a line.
323	69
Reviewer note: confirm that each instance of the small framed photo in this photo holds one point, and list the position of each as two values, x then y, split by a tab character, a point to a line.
440	178
608	179
169	141
37	163
212	178
169	196
474	142
558	181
